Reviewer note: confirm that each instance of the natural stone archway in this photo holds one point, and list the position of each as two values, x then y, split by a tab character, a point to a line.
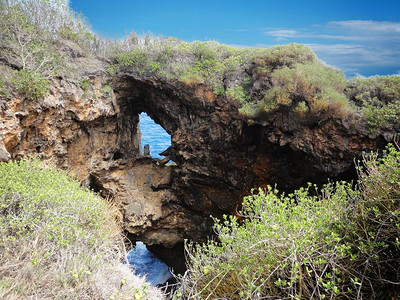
219	156
154	139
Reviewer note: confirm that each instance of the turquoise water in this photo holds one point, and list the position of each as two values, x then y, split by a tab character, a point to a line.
154	135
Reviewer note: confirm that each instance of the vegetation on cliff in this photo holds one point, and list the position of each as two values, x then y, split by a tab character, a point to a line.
290	76
40	39
45	39
378	98
59	240
334	243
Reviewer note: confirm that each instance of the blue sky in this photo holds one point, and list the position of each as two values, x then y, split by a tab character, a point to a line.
358	37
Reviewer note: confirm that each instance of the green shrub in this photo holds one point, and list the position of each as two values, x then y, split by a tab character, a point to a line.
85	84
376	235
66	32
281	250
238	93
210	70
279	56
378	99
30	84
137	58
58	240
318	86
26	39
334	243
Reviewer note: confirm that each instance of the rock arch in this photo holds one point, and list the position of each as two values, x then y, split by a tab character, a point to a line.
219	156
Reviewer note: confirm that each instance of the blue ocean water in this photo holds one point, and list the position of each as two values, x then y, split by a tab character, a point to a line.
146	264
154	135
143	261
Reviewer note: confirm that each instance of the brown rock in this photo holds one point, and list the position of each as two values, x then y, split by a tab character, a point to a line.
219	157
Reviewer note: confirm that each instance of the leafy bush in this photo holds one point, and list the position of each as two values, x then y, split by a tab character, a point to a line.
294	78
59	240
281	250
34	34
378	98
30	84
336	243
191	63
27	41
238	93
319	87
284	56
137	58
377	217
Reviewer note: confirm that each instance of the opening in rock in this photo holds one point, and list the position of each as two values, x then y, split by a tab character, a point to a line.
145	263
153	135
94	184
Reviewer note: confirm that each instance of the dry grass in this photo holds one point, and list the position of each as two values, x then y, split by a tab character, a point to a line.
60	241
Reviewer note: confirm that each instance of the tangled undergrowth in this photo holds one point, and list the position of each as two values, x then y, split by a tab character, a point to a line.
339	242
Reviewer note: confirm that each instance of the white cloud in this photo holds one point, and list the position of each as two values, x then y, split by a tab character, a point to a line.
287	33
350	45
353	58
283	33
353	30
369	26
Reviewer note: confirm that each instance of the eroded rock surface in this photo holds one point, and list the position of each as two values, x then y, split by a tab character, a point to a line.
94	135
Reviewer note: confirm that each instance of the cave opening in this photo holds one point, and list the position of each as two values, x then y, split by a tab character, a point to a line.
154	138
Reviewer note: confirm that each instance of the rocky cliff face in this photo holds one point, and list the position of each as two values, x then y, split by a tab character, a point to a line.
93	134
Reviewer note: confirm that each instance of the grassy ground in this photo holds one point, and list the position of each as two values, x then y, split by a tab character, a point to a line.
59	240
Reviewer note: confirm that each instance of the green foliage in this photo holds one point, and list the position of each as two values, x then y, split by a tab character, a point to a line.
284	55
68	33
34	199
62	237
191	63
238	93
378	99
334	243
137	58
26	42
30	84
85	84
106	89
3	91
34	34
207	66
300	83
282	248
319	87
377	230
